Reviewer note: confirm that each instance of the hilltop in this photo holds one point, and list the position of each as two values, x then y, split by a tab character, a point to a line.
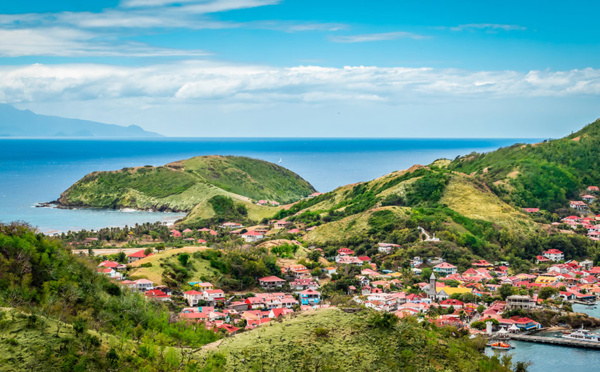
543	175
329	339
191	186
24	123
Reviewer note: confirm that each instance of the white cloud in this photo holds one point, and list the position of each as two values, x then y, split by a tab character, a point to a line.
488	27
376	37
66	42
201	81
200	6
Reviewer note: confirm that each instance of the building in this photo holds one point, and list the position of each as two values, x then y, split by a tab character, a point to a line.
231	225
157	294
137	256
445	268
554	255
144	285
588	198
271	282
252	236
193	297
310	297
386	247
520	302
578	205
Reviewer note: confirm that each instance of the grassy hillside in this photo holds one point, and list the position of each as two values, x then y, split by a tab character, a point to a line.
182	185
331	340
164	261
545	175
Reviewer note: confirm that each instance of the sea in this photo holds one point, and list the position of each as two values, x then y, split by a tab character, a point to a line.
34	171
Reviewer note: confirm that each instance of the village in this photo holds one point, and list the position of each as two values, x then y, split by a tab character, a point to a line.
434	290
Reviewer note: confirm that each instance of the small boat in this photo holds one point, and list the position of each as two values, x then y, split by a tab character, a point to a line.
582	335
280	161
501	346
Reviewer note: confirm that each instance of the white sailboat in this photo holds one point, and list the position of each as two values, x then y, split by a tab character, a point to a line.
280	161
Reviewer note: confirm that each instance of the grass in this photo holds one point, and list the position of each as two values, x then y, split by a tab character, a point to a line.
154	273
348	227
470	200
332	340
182	185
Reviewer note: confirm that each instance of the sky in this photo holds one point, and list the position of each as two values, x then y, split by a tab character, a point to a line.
307	68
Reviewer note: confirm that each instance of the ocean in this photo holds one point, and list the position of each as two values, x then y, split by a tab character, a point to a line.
34	170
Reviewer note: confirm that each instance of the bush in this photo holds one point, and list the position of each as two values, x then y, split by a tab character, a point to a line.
321	332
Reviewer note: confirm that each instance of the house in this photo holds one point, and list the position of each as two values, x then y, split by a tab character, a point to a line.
274	203
456	304
588	198
578	205
297	271
483	263
137	256
144	285
213	295
445	268
231	225
348	260
386	247
554	255
271	282
175	234
279	312
520	302
314	194
252	236
329	270
364	258
302	284
309	297
282	224
202	286
531	210
157	294
193	297
111	273
541	259
345	252
261	202
593	188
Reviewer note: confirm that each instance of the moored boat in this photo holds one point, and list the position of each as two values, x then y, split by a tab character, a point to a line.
582	335
501	346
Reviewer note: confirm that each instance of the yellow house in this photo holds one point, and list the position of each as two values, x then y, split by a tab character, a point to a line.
450	290
542	279
204	286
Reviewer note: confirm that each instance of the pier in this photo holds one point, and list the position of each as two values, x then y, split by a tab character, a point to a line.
559	341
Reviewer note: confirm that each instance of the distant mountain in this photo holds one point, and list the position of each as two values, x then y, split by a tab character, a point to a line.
24	123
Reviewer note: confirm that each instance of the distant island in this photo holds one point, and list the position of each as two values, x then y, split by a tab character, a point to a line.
25	123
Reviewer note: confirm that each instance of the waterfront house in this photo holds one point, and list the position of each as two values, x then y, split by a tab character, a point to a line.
520	302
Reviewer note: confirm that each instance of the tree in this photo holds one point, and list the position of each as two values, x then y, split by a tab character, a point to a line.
426	274
480	309
112	357
314	255
79	326
506	290
160	247
148	251
121	257
183	259
547	292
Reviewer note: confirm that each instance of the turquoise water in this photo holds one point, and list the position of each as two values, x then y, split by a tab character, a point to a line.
33	171
545	358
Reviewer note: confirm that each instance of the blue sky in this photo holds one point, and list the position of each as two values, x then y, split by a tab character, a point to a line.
327	68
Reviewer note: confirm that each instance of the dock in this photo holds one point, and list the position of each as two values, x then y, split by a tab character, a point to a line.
559	341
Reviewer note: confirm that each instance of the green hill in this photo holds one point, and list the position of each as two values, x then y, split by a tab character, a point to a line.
331	340
543	175
185	184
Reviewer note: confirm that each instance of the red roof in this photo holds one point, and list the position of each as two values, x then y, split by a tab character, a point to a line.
253	233
192	293
271	279
364	258
553	251
138	254
201	241
156	293
109	264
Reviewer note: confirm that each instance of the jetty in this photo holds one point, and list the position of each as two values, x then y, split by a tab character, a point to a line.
559	341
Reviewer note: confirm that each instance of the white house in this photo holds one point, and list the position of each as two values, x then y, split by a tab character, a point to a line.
193	297
554	255
252	236
445	268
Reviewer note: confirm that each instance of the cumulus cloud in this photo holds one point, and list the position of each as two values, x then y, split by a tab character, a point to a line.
201	81
376	37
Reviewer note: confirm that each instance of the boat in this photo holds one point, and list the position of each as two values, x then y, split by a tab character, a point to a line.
280	161
501	346
582	335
